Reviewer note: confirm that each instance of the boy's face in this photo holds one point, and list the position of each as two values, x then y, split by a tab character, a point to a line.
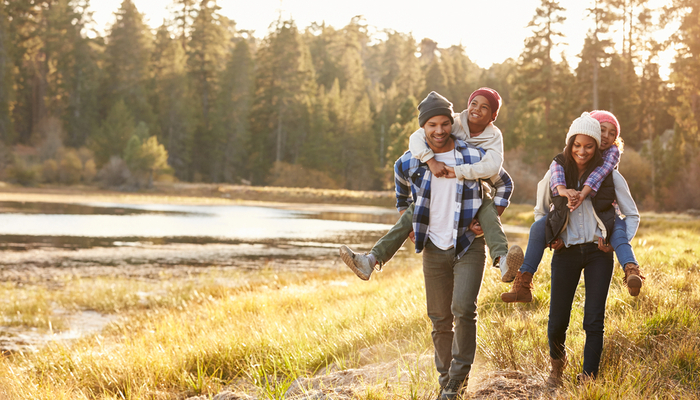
437	133
608	135
480	111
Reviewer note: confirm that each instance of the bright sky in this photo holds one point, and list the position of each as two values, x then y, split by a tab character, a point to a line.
491	31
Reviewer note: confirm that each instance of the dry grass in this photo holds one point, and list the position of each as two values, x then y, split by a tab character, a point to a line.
187	337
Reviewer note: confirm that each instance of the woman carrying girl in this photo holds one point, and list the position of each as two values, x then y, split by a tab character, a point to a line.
579	240
611	146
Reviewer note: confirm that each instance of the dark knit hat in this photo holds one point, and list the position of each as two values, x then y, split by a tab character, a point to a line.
491	95
432	105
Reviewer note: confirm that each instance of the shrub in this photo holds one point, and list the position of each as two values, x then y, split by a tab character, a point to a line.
293	175
49	171
23	172
70	167
114	173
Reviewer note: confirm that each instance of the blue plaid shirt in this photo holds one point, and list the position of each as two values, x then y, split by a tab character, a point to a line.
412	180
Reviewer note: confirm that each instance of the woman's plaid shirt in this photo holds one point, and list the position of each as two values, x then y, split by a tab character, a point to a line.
412	180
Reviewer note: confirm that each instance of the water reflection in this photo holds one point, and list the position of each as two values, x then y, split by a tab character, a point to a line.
24	225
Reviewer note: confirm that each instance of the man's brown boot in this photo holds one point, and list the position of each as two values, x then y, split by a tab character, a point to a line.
633	278
521	292
555	376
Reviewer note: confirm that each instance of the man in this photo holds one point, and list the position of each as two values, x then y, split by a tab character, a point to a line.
453	257
475	126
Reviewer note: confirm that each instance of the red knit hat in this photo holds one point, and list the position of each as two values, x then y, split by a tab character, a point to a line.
606	116
491	95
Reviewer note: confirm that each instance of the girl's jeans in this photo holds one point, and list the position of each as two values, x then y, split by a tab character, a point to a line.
536	245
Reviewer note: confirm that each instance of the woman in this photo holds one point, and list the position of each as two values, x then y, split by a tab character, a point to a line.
581	243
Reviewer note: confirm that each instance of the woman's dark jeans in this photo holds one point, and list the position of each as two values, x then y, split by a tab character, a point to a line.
597	267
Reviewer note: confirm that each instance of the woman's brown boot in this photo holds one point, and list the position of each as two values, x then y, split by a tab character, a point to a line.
555	376
521	292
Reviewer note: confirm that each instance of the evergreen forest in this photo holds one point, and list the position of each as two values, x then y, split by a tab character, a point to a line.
197	100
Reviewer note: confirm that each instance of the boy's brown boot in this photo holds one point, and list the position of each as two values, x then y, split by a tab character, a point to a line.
555	376
633	278
521	292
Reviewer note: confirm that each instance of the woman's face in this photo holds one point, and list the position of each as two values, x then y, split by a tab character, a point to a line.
608	135
582	150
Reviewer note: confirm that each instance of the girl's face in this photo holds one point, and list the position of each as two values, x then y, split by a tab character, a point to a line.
608	135
582	150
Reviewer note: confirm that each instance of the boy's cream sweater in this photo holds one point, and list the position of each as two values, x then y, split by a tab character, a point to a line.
490	140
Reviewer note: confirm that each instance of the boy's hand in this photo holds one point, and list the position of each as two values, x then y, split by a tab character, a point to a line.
437	168
475	227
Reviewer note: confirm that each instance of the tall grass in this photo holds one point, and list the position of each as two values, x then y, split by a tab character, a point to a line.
179	338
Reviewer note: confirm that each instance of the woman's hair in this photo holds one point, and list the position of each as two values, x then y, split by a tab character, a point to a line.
570	167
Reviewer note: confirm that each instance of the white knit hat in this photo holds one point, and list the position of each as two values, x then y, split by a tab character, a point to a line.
585	125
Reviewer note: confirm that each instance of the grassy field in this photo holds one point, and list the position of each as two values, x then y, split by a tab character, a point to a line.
257	333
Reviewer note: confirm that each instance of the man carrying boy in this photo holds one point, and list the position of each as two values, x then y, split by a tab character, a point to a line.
453	255
475	126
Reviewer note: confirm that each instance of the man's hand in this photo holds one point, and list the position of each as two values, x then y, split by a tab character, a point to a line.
437	168
557	244
412	236
604	247
475	227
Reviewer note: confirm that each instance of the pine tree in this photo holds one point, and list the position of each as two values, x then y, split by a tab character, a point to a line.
205	61
171	101
127	56
232	126
540	84
6	79
284	83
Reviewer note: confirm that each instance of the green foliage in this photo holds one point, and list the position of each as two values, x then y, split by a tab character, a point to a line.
113	135
145	159
226	105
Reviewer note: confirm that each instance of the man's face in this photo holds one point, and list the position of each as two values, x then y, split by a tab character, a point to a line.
480	112
437	133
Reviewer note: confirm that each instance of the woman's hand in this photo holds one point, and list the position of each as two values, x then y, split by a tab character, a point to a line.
604	247
450	172
557	244
574	197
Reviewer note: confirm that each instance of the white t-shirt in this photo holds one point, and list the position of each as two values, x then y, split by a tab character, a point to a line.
443	192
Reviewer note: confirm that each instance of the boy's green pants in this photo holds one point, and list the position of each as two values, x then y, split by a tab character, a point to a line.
487	215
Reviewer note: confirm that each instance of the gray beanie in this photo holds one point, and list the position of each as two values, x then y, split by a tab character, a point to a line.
585	125
432	105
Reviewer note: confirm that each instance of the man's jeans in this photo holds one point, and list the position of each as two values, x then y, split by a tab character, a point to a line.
597	267
389	244
452	288
536	245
